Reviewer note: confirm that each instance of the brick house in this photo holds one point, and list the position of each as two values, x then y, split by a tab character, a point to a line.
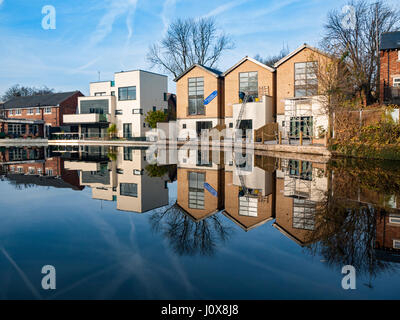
390	68
49	109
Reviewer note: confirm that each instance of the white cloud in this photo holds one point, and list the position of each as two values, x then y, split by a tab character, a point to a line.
223	8
115	9
167	12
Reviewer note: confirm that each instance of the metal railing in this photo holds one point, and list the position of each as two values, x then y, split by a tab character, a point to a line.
392	95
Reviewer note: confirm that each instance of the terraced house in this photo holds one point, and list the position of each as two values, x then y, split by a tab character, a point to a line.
193	86
249	95
300	106
123	101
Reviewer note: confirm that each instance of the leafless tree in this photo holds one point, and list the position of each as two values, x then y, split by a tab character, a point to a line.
188	42
22	91
272	59
353	34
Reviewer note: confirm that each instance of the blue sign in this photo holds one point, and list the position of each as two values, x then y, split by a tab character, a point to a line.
210	98
210	189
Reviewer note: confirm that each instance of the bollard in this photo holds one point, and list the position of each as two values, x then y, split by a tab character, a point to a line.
280	137
301	138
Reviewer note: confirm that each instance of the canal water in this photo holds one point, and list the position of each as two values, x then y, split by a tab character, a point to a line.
131	223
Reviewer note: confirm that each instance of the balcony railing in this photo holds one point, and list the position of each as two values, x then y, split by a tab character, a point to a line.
392	95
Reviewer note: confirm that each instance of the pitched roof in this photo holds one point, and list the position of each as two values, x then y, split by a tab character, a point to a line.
53	99
249	59
293	53
390	40
216	73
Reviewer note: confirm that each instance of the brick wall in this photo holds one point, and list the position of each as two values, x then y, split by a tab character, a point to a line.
211	83
390	68
265	79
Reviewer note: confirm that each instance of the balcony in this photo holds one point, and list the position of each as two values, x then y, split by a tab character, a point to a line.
392	95
87	118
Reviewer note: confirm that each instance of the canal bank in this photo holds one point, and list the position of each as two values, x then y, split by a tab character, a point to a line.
297	149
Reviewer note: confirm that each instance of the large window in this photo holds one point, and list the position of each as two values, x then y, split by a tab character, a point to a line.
196	190
127	93
94	106
196	96
127	130
128	189
248	84
305	79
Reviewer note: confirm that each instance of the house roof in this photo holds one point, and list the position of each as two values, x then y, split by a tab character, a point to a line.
390	40
246	58
44	181
216	73
53	99
293	53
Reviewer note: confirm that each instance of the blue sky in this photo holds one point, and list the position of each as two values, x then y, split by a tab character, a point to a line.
114	35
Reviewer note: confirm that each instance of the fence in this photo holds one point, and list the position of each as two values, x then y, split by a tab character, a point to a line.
268	132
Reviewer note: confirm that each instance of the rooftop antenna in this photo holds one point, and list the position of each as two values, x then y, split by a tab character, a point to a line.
99	74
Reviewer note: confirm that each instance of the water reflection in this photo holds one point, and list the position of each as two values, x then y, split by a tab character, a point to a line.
345	211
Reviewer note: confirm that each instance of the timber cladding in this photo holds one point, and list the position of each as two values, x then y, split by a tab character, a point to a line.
285	74
211	83
265	79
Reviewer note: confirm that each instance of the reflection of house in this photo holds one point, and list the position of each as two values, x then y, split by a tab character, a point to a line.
123	179
192	87
25	166
123	101
390	68
387	242
256	80
200	192
249	194
299	106
300	187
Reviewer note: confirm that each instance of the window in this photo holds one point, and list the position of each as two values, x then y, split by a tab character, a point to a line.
37	110
11	112
49	172
127	130
184	126
196	190
395	219
112	83
113	93
31	170
20	170
127	154
144	125
137	111
396	82
165	95
18	112
305	79
127	93
30	112
128	189
196	96
100	94
39	172
154	108
118	112
248	83
47	110
230	124
396	244
248	206
100	106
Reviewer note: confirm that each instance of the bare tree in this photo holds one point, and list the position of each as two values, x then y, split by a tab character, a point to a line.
272	59
354	34
21	91
188	42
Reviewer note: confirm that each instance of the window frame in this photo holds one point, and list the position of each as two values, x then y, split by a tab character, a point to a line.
126	96
198	98
254	92
310	89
